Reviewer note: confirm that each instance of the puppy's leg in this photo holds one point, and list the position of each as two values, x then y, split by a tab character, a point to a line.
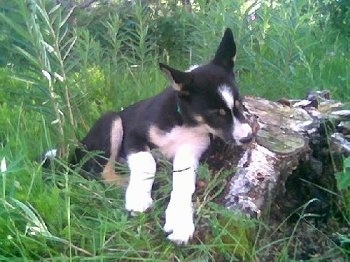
142	170
109	176
115	140
179	213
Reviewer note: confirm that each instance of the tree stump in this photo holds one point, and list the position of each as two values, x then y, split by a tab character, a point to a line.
299	145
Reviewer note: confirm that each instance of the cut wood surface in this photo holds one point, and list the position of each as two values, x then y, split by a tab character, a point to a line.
292	136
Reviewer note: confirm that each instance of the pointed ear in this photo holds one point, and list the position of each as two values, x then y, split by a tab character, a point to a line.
178	78
225	55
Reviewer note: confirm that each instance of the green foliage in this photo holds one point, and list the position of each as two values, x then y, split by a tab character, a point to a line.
343	178
61	67
307	57
340	15
343	183
44	47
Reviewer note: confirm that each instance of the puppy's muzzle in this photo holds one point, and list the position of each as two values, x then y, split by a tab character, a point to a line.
247	139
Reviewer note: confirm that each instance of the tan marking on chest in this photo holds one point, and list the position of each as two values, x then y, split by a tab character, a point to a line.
169	142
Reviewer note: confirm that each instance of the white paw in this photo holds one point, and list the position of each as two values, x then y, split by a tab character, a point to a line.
181	235
136	202
179	225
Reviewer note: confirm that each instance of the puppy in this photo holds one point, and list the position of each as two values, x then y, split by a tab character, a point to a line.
200	102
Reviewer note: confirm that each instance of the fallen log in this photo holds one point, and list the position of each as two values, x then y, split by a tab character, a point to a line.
299	144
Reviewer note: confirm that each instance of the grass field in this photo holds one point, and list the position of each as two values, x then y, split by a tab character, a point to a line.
61	69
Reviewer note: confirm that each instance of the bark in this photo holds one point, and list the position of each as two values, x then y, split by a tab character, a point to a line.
299	143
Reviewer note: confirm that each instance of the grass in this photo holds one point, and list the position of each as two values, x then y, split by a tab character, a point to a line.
42	220
56	215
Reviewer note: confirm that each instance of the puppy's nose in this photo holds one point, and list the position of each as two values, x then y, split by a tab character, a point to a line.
247	139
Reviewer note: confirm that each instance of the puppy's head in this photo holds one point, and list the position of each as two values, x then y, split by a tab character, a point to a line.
209	96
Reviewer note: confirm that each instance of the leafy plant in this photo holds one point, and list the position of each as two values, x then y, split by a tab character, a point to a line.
46	45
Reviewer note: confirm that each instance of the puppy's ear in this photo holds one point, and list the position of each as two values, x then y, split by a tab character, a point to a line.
226	52
178	79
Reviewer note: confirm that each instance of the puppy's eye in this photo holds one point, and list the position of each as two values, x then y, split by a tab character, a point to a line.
218	112
238	104
222	112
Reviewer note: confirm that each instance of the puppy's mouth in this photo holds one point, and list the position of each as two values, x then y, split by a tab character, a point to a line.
239	142
245	140
228	138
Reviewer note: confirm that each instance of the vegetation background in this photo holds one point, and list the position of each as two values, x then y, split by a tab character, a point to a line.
63	63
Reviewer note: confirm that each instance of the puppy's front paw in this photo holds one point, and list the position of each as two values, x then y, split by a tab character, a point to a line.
181	234
179	225
136	202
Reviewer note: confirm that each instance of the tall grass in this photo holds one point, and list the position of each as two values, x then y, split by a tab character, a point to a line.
63	67
291	53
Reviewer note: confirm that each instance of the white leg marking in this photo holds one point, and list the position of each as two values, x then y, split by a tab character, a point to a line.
179	213
142	170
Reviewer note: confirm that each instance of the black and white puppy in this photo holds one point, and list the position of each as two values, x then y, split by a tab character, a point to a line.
201	101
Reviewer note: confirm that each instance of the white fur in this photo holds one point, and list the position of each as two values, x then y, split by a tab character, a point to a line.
240	130
142	170
179	213
227	96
